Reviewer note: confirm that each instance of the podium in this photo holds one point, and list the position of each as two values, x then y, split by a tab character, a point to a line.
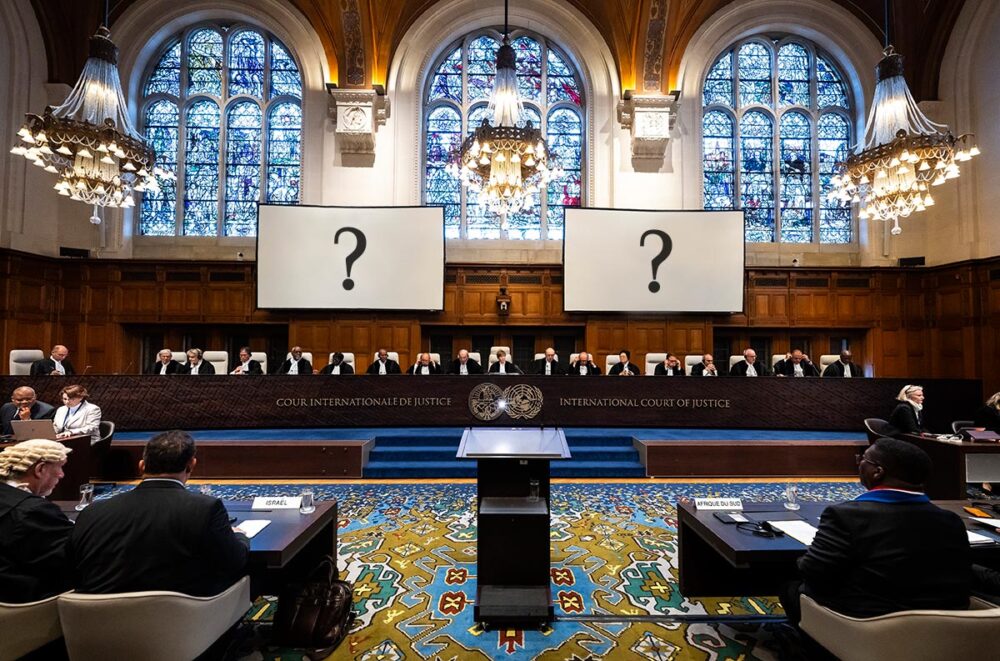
513	527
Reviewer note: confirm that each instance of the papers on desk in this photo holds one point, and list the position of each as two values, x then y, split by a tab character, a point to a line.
993	523
251	527
976	538
801	531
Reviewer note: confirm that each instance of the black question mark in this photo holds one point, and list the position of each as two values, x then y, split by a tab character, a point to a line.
661	256
359	249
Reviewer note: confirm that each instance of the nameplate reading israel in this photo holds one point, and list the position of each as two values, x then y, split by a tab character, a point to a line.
726	504
276	503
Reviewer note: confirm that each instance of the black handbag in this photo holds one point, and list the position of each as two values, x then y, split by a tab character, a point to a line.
316	614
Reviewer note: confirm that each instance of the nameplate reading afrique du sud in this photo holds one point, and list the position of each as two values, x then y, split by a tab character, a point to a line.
276	503
724	504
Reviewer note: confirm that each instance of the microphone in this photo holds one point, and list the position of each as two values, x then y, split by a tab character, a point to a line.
86	370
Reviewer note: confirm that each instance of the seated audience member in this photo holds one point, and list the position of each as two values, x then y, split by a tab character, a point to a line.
464	365
795	363
671	366
890	549
424	366
247	364
844	368
987	417
196	364
57	364
706	367
296	364
908	416
33	531
77	416
383	364
337	365
548	366
584	366
165	363
749	366
624	367
159	535
24	405
504	366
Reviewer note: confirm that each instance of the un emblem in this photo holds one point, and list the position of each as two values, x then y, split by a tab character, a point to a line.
523	401
488	402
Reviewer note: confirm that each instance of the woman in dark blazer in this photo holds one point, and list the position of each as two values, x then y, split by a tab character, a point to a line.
988	417
908	416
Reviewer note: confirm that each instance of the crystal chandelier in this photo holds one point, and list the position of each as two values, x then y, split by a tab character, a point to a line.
89	141
504	163
904	153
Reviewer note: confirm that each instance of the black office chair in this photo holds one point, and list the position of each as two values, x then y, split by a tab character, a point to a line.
876	428
100	451
958	425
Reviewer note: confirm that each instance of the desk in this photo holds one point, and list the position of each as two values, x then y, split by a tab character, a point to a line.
717	560
283	552
956	464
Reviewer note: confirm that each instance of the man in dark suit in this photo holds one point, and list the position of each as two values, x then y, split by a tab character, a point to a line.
504	366
424	366
165	363
890	549
296	364
671	366
584	366
749	366
33	531
196	365
383	364
247	364
624	366
24	405
844	368
337	366
465	365
706	367
56	364
158	536
794	364
548	366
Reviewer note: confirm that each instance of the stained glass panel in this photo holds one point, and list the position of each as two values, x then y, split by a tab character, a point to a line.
793	75
246	64
166	77
754	65
757	176
481	56
205	62
719	83
284	153
835	222
447	80
444	133
480	223
719	158
157	213
830	88
244	125
529	67
565	139
476	117
285	79
201	169
562	85
795	144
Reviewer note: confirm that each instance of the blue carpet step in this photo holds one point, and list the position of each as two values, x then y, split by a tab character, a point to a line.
597	469
391	470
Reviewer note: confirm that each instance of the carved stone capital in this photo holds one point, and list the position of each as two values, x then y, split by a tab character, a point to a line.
358	114
650	120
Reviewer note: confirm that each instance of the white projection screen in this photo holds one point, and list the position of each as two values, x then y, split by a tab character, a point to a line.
610	256
359	258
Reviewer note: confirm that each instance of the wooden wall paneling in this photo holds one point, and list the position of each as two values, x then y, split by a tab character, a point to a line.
606	337
811	307
227	303
645	337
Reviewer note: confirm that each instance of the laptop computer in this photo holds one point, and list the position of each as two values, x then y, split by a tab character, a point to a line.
25	430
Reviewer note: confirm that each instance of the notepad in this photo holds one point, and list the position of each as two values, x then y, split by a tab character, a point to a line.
994	523
251	527
798	530
976	538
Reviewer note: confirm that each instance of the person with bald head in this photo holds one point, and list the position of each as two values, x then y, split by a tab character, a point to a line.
57	364
706	367
749	366
464	364
584	366
296	364
424	366
24	405
165	364
33	531
795	364
383	364
844	368
548	365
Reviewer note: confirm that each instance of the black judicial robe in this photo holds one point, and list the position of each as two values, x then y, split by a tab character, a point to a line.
787	368
509	368
618	368
33	535
46	366
837	370
740	369
173	367
391	367
432	368
204	368
538	367
592	369
305	367
472	366
345	368
661	370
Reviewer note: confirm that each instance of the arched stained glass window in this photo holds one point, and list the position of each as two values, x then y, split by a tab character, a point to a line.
455	103
222	108
776	120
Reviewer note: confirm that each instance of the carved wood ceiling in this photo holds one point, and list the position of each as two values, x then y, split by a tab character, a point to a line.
646	37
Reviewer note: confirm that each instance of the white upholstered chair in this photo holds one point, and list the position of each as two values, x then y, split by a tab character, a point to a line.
609	361
493	354
435	357
393	355
153	626
826	360
691	361
919	635
573	357
476	356
261	358
21	359
652	360
26	627
776	358
219	360
180	356
732	361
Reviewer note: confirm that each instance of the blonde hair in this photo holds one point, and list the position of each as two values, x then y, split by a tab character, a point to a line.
994	401
907	390
19	458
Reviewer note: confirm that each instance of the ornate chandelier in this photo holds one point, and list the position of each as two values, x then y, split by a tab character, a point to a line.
904	152
503	162
89	141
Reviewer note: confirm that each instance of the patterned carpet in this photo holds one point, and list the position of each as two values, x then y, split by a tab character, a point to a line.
409	550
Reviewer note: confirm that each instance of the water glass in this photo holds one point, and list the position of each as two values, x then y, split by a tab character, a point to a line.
86	496
205	489
533	491
792	497
308	504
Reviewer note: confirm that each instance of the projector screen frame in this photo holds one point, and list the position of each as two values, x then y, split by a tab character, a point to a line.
743	248
444	258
